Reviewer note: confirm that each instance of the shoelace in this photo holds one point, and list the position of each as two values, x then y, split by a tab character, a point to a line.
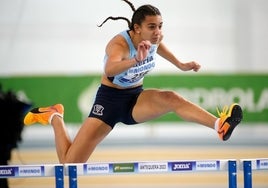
224	111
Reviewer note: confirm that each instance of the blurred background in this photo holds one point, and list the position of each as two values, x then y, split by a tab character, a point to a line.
51	51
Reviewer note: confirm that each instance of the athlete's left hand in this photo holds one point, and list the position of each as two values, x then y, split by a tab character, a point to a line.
192	65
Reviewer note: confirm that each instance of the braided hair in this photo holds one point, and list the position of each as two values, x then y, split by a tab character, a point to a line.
138	15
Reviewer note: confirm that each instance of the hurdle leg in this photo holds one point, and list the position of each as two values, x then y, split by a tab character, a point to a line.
232	174
59	176
72	176
247	174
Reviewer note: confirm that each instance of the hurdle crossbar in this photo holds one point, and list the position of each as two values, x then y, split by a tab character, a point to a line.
27	171
150	167
249	165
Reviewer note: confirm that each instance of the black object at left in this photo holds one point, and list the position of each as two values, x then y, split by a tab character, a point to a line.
12	111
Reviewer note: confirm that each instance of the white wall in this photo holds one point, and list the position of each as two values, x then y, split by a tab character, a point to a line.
61	36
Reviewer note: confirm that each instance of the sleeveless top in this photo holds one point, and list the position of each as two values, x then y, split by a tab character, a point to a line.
135	74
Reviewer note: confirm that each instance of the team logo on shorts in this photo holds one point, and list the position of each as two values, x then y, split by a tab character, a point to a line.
98	109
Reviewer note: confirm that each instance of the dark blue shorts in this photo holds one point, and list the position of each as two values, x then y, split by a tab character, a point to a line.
115	105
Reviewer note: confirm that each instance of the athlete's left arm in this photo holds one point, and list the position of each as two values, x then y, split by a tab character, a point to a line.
164	52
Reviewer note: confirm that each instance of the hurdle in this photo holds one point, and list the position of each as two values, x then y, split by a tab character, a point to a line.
73	170
249	165
150	167
31	171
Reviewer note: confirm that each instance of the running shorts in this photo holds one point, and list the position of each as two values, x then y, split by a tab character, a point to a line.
114	105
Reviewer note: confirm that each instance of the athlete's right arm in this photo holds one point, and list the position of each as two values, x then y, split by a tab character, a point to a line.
118	61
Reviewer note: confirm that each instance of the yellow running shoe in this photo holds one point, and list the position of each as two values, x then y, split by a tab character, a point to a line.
229	119
43	115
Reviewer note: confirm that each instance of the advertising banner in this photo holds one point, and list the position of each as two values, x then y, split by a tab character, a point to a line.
77	93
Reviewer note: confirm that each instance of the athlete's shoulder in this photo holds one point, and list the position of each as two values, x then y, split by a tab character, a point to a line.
118	40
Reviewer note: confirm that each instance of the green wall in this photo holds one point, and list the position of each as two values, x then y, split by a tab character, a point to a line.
210	91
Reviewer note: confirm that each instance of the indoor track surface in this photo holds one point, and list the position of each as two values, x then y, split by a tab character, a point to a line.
185	180
150	147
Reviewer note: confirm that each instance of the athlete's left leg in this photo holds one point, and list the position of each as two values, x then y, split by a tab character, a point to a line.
154	103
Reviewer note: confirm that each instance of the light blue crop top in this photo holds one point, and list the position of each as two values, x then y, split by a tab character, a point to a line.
135	74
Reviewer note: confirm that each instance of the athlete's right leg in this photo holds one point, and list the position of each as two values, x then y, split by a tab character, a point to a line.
90	134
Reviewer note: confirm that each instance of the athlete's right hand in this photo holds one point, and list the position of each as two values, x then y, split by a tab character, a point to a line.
143	50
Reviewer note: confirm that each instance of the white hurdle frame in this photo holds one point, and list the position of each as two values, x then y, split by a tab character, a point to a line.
150	167
34	171
138	167
250	165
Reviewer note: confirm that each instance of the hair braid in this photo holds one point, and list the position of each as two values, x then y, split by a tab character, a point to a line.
138	15
130	4
115	18
120	17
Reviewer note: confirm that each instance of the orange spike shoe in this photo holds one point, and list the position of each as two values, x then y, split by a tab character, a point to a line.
229	119
43	115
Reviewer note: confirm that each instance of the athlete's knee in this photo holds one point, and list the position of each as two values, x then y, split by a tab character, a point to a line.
172	97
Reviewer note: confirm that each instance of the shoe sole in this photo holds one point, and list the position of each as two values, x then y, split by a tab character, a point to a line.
235	118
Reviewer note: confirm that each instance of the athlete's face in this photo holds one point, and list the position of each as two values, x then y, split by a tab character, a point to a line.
151	29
